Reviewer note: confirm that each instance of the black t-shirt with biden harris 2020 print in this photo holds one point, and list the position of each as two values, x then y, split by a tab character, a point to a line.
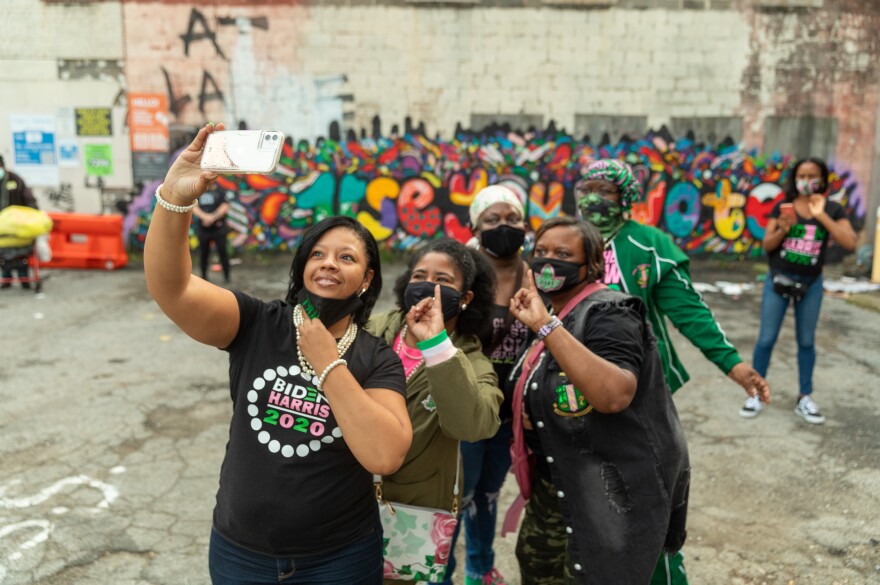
289	485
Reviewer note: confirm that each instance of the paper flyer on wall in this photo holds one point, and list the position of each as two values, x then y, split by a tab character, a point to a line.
33	140
68	153
99	160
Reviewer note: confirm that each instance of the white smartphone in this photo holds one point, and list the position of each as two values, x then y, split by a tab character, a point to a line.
243	151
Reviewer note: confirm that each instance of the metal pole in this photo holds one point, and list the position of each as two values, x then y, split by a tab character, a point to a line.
875	273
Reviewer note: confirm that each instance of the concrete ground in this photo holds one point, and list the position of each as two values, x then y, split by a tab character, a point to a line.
114	425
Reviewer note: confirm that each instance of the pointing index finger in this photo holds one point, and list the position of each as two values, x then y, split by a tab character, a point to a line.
530	281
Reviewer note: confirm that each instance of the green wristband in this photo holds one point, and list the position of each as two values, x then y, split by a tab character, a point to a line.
433	342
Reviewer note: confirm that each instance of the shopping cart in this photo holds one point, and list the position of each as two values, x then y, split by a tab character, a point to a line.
17	258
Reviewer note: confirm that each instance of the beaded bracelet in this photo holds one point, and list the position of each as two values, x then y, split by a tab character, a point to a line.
171	206
546	329
327	370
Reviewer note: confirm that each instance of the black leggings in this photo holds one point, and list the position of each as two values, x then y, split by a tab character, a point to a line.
219	239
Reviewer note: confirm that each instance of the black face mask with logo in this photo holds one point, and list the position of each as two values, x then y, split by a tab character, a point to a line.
553	277
329	311
502	241
450	299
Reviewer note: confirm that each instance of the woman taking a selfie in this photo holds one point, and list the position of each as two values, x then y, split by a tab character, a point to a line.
294	497
796	240
599	452
452	392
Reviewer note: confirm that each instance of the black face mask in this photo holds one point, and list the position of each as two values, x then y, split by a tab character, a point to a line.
553	277
502	241
329	311
450	299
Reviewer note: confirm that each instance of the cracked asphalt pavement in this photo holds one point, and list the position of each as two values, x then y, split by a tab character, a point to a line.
114	425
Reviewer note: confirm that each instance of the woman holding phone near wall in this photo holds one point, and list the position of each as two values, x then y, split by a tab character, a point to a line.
796	241
295	502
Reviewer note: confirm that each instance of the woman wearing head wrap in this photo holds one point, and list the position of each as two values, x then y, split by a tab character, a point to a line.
644	261
498	224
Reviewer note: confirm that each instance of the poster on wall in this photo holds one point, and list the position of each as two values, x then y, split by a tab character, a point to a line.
68	153
99	160
33	141
148	122
148	166
94	121
65	123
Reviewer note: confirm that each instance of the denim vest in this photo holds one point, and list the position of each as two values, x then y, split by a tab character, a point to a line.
623	478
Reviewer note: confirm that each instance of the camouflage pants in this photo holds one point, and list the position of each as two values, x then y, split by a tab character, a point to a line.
542	546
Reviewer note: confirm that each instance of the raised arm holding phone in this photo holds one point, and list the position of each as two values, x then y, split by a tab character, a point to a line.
294	495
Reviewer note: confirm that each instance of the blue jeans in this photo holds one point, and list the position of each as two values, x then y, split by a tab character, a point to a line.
806	316
486	464
359	563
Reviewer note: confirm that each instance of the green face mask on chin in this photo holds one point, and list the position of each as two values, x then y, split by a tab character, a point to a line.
606	215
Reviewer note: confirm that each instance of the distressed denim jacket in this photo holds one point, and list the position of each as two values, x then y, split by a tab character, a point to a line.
622	478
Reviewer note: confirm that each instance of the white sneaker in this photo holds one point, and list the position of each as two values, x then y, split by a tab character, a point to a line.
809	410
751	408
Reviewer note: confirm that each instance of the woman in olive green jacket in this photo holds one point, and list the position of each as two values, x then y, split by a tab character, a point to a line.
452	391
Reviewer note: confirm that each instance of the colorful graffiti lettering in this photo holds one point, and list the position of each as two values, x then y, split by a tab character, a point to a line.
408	188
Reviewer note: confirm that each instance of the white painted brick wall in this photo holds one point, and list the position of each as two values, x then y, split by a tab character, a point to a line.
436	64
555	62
550	58
399	59
33	30
35	36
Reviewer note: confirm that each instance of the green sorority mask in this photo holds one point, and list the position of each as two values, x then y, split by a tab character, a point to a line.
606	215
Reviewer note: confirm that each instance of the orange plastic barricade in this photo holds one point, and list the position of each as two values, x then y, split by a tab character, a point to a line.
80	240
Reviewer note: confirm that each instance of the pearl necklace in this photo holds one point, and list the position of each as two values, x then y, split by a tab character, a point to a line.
341	346
402	349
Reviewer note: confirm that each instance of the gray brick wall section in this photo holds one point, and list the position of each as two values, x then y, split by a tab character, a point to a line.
769	5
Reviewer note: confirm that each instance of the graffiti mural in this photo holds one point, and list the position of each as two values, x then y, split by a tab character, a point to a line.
407	188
